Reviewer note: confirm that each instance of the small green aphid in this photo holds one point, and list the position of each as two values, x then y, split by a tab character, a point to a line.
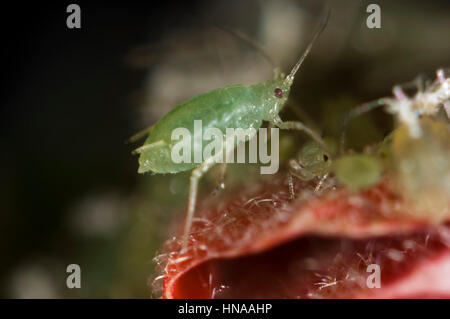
311	162
358	171
236	106
355	171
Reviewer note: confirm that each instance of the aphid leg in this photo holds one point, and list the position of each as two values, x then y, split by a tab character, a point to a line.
296	169
221	183
301	114
196	174
294	125
291	187
361	109
322	180
140	134
147	147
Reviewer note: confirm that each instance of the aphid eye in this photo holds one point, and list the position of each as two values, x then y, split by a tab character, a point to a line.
325	157
278	93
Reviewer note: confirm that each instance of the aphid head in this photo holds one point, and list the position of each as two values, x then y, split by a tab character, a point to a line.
278	93
274	95
315	158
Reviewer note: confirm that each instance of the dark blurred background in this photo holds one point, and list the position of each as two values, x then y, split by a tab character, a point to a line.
70	192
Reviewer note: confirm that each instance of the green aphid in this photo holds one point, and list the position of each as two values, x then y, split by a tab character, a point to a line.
312	161
236	106
358	171
355	171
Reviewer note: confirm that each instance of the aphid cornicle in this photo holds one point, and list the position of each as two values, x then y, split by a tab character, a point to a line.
236	106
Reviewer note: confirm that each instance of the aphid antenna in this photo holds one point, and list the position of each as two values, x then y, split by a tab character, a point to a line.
254	44
290	78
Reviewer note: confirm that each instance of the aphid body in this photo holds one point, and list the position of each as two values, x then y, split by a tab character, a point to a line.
312	161
358	171
236	106
355	171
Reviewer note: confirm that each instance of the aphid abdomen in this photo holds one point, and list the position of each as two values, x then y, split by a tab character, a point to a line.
230	107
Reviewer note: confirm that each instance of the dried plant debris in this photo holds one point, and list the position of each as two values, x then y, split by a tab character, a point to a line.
318	246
